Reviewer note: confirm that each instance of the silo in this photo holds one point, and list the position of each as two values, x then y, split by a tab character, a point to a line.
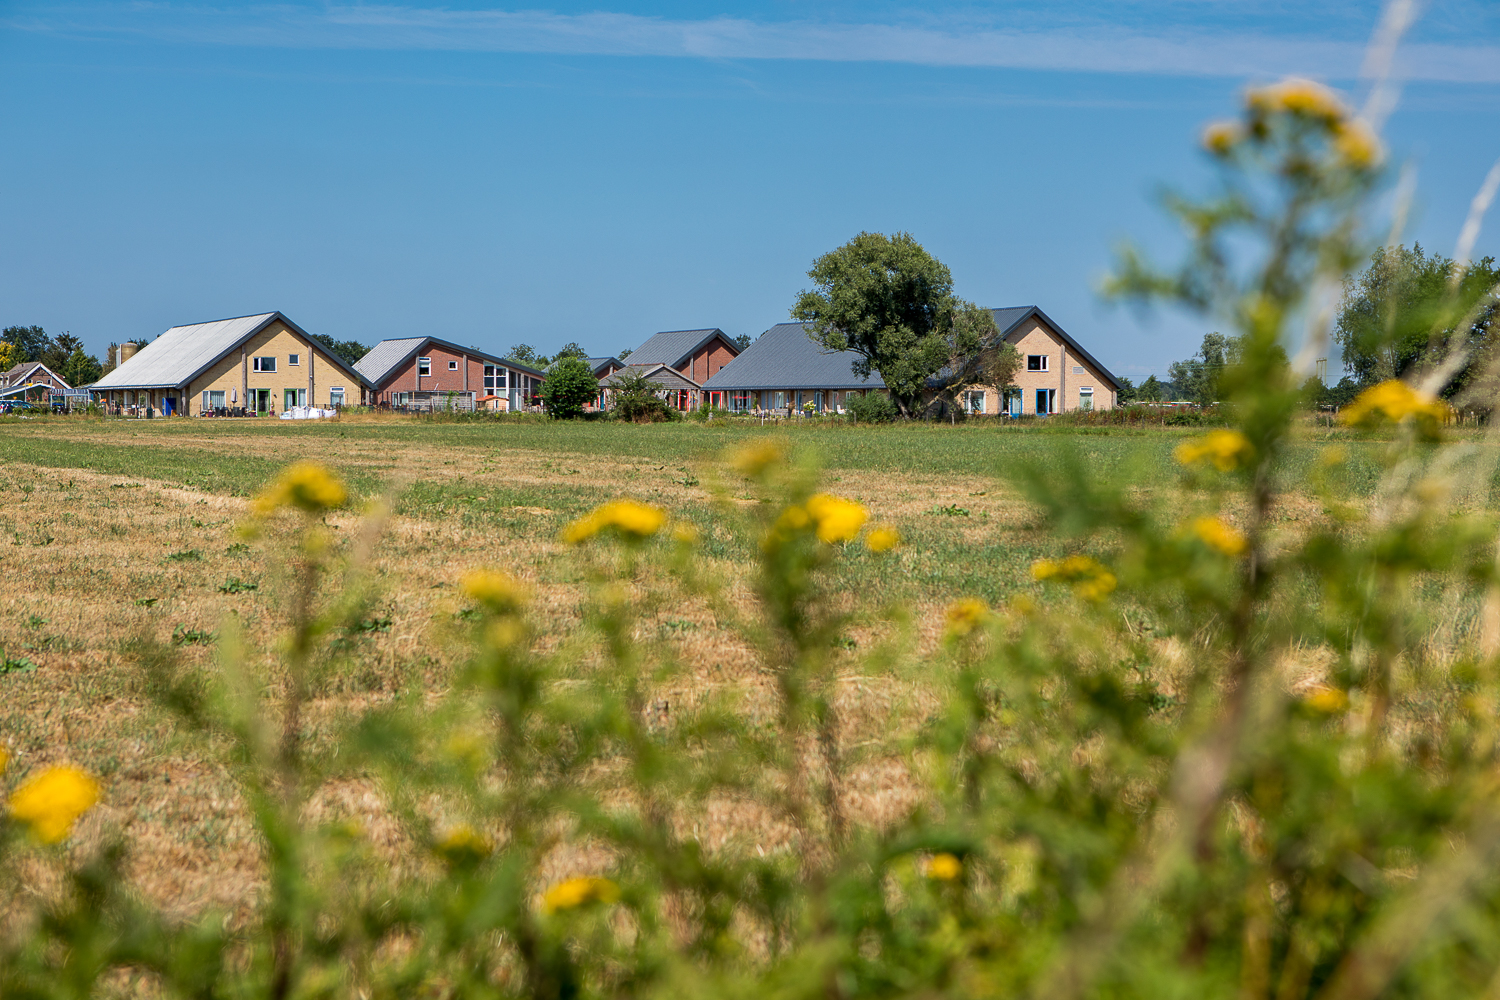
127	351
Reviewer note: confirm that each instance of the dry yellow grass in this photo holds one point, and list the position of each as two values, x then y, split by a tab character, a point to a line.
103	565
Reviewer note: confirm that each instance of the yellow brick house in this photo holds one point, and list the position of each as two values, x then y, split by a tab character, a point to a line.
256	365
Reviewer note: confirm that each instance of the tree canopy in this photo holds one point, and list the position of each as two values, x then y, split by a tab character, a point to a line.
348	351
891	302
1403	313
527	355
572	349
29	341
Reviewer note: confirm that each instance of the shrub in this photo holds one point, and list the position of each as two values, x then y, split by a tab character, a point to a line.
569	387
634	398
871	408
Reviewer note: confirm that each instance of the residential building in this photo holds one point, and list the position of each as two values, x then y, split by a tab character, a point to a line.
676	389
256	364
784	370
34	373
424	373
697	354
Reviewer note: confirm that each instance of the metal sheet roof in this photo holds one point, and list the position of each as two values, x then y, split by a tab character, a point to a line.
386	356
182	352
785	357
673	347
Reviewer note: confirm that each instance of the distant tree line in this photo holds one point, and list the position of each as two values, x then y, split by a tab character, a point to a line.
1401	317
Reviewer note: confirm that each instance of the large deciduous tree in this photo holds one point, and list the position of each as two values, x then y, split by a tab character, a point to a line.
349	351
1404	312
29	341
891	302
570	386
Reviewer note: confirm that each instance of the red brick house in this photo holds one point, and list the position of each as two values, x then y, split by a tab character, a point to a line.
425	373
34	373
696	354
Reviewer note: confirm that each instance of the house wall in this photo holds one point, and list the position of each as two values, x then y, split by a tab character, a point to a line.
707	360
235	376
1035	337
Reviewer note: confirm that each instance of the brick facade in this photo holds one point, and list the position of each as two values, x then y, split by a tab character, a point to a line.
449	370
705	362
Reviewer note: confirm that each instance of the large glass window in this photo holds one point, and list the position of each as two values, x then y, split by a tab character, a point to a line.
1086	397
265	364
1036	362
336	396
494	378
974	401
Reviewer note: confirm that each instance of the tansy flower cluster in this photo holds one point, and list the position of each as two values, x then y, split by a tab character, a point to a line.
463	843
1225	449
308	486
836	519
943	867
51	802
965	615
630	519
574	892
1091	579
882	538
1326	700
497	593
1352	141
1396	402
1218	535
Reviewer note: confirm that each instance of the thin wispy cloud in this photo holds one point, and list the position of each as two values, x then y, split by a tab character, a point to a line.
1103	49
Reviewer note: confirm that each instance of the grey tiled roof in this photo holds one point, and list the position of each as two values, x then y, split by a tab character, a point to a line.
673	347
662	374
785	357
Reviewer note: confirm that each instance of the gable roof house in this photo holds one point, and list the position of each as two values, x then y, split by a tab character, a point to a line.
698	354
34	373
258	363
786	370
426	373
783	370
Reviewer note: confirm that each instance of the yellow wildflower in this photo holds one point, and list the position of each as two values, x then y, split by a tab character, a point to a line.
498	593
1226	449
838	520
574	892
1394	401
752	460
1357	144
1328	700
1221	137
463	843
794	518
1219	536
882	538
52	801
1090	578
632	520
308	486
1299	97
944	867
966	615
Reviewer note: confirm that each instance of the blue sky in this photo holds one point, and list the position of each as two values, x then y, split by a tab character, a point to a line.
596	173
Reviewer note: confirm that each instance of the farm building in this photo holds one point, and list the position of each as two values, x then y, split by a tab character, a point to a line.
698	355
254	364
425	373
35	373
785	369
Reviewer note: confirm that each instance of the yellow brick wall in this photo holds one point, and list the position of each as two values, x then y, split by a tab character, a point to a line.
278	341
1035	337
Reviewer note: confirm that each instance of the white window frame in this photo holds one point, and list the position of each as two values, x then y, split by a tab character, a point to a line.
974	401
1045	360
336	396
1085	397
260	364
453	366
293	360
424	367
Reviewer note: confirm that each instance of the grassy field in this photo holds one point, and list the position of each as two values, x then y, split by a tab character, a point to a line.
123	542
